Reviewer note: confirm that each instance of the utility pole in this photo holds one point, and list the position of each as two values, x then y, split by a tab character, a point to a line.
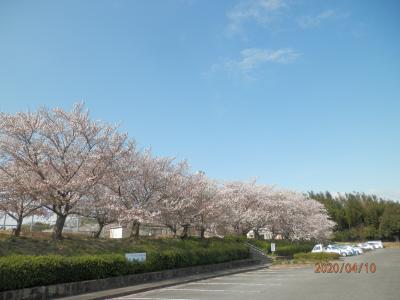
4	221
32	223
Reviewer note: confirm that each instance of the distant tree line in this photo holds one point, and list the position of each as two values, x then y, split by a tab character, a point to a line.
360	216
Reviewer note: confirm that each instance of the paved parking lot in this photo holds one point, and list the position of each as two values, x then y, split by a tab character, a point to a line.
299	283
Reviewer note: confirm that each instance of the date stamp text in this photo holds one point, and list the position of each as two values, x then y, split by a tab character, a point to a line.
345	267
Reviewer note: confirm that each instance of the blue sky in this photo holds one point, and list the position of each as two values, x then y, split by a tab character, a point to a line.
301	94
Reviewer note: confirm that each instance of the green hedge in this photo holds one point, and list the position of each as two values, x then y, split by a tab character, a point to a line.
316	256
291	250
23	271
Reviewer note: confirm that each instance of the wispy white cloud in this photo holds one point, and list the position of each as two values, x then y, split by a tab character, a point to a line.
312	21
260	11
254	58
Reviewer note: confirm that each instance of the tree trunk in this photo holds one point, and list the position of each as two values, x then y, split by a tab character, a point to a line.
244	231
185	231
202	231
237	229
256	233
135	229
58	227
98	232
173	229
17	231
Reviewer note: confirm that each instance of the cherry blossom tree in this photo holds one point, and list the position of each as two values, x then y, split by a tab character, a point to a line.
65	154
240	202
306	219
250	206
296	217
206	207
174	208
103	205
53	160
14	200
18	207
142	186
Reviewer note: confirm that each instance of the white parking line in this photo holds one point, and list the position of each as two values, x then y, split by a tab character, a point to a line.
206	290
266	272
266	275
146	298
228	283
263	275
194	290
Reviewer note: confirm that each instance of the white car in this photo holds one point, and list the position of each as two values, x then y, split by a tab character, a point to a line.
338	250
349	249
345	249
318	249
359	250
365	246
376	244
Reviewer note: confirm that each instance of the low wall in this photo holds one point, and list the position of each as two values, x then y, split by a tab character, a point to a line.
75	288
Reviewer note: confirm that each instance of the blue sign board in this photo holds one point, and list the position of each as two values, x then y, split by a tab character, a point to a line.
138	257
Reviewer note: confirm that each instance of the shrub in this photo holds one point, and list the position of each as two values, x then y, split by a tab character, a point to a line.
290	250
21	271
26	271
235	238
315	256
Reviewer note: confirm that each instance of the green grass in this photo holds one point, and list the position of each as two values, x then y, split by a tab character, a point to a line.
75	246
315	257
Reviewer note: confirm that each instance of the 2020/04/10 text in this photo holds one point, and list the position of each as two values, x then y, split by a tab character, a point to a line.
345	267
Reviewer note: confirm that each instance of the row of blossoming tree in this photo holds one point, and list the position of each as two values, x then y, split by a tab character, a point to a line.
63	163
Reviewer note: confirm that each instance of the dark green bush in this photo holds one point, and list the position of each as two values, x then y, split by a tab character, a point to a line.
20	271
315	256
26	271
290	250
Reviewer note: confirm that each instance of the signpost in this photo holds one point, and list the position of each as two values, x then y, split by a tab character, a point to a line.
116	232
272	247
137	257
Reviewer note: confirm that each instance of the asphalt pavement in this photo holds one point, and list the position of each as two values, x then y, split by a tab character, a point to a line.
297	283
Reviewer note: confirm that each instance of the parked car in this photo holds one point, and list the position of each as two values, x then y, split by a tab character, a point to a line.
365	246
376	244
336	249
358	249
349	249
318	248
342	250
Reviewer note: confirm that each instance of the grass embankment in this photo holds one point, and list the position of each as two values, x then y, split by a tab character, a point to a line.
75	246
28	262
